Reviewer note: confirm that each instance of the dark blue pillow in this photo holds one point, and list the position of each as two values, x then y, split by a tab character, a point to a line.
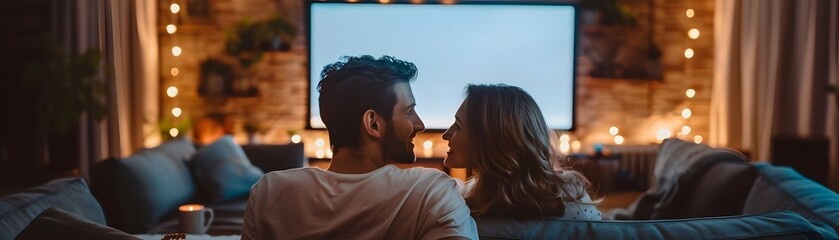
223	170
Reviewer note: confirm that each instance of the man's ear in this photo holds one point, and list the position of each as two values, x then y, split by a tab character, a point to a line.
372	124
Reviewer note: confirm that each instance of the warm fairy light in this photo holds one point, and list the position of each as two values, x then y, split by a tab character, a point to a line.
689	53
690	93
564	146
685	130
689	13
693	33
173	132
175	8
352	1
564	138
613	130
174	71
176	51
663	134
384	1
296	138
618	139
171	28
320	153
428	144
697	139
319	142
686	113
176	111
576	146
172	91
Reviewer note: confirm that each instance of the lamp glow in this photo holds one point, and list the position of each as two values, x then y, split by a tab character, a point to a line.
697	139
663	134
686	113
176	111
613	130
690	93
171	28
174	71
689	53
176	51
564	146
173	132
618	139
175	8
564	138
319	142
690	13
685	129
172	91
693	33
296	138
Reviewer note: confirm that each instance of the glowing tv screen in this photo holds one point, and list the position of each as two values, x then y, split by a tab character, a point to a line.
530	45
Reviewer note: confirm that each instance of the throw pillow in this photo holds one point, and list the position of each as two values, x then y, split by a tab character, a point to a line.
224	171
55	223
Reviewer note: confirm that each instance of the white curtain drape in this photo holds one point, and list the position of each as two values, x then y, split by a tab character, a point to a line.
774	61
125	32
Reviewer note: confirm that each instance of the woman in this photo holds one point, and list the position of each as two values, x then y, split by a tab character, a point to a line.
501	135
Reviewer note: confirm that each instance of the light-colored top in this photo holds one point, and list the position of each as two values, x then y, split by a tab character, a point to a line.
582	209
388	203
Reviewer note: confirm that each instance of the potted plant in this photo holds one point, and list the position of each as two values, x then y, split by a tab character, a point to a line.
279	32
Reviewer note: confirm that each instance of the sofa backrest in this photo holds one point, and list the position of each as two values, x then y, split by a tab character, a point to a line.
775	225
275	157
782	188
70	194
140	190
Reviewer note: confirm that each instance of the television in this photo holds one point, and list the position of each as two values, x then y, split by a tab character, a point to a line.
531	45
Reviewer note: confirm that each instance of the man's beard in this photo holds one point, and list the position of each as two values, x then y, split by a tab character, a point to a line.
396	149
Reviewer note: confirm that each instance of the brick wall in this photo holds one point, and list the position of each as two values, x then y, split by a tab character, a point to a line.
638	107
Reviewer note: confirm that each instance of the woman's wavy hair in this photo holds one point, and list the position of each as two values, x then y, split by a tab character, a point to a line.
516	171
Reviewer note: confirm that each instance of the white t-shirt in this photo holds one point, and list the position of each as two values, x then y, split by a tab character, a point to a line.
387	203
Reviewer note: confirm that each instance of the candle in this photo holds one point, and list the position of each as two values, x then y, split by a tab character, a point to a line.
191	207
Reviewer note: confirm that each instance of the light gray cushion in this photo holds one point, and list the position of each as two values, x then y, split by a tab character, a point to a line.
71	194
55	223
223	170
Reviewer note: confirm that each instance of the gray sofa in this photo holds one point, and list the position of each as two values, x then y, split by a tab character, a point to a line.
140	193
697	189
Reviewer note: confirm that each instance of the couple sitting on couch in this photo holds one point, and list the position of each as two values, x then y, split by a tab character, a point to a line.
368	108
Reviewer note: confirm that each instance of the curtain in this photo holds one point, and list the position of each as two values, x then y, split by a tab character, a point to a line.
774	63
125	32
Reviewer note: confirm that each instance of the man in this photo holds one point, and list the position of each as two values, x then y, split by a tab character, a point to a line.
368	108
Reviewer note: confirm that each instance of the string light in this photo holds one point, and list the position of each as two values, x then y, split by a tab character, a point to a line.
689	53
693	33
172	91
428	144
686	129
690	93
171	28
319	142
690	13
173	132
174	71
663	134
176	111
613	130
686	113
697	139
296	138
618	139
175	8
564	138
176	51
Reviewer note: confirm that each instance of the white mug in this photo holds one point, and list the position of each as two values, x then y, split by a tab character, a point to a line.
192	218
